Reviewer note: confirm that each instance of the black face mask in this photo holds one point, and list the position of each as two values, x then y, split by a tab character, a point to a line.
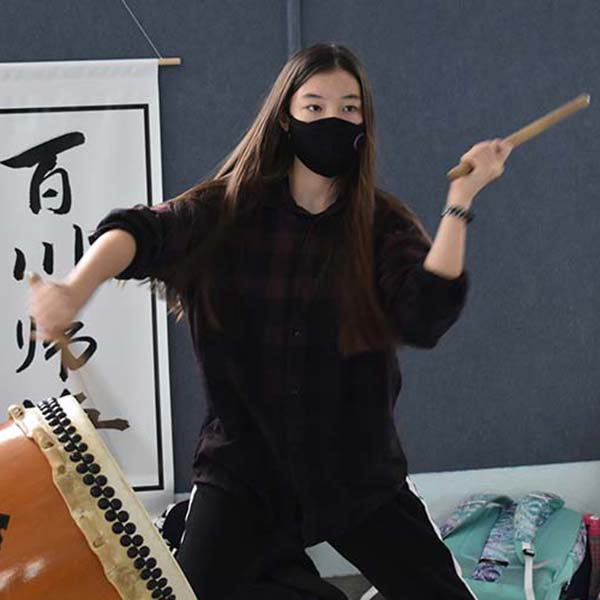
329	146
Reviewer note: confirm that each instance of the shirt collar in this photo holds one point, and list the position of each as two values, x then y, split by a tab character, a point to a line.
280	196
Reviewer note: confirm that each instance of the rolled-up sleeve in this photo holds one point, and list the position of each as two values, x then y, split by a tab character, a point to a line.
421	303
163	233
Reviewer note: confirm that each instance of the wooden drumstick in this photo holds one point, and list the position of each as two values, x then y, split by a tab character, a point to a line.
66	356
530	131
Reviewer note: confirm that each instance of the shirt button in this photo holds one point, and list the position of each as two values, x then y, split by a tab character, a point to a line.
295	391
296	332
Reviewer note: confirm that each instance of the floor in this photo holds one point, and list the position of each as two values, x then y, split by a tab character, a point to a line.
354	586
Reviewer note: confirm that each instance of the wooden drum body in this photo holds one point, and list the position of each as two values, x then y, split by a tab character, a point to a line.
71	527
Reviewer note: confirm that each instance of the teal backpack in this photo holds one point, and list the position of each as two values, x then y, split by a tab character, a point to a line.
524	550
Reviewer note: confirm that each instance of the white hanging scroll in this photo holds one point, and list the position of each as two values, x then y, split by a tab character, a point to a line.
76	140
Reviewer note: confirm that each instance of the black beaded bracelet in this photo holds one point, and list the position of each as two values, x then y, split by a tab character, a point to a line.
459	211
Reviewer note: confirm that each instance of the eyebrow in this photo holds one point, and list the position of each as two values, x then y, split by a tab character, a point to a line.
353	96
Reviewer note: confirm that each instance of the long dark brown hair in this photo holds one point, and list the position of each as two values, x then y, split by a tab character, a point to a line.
264	155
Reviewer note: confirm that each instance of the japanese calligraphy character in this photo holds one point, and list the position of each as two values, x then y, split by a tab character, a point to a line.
45	157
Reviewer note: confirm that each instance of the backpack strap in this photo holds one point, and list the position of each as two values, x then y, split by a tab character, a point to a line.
531	513
499	548
533	509
470	509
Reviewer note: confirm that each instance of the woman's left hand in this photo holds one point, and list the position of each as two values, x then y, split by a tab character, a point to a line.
487	159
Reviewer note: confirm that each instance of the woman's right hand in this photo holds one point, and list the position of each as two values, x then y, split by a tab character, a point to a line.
53	306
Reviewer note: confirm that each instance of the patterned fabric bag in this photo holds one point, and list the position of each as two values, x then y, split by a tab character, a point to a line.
516	550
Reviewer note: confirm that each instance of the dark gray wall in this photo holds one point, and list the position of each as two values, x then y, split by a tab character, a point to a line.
516	380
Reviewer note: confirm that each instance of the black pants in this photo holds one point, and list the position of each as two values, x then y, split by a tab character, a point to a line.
397	548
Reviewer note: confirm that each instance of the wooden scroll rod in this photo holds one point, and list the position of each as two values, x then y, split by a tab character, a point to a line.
169	62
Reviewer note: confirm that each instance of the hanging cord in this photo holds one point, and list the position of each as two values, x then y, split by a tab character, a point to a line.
141	29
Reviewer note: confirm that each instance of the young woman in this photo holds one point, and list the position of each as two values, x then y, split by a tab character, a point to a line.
299	278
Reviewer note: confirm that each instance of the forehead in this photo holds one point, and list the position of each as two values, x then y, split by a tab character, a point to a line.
332	85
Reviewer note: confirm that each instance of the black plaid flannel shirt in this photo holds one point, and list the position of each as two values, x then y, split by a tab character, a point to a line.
304	434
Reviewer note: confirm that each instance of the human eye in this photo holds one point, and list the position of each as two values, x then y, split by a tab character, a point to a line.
316	105
356	109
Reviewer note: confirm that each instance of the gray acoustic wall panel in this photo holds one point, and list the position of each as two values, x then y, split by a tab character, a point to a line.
516	380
